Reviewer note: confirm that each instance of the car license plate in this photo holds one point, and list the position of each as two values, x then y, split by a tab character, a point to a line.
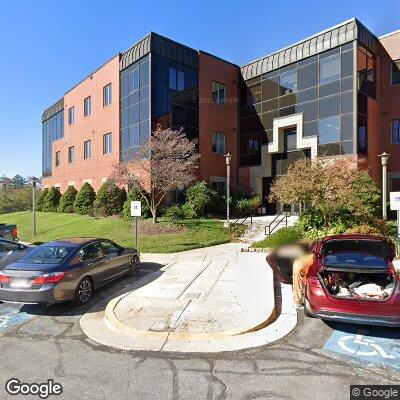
20	283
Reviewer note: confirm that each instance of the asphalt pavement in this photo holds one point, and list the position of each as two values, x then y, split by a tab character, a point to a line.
48	343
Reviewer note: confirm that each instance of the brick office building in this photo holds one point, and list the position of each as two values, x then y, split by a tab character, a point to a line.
336	93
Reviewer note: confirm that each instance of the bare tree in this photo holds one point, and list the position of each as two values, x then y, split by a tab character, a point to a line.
168	161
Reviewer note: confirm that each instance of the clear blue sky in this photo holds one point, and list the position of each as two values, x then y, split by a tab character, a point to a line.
48	46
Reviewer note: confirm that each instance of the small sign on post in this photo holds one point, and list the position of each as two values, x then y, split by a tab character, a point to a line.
395	206
136	211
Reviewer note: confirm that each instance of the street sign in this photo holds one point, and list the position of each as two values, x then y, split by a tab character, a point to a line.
136	209
395	201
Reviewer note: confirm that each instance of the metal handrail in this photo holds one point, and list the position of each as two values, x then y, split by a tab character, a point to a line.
284	217
235	226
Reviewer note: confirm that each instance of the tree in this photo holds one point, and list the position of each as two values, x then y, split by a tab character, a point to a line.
67	200
40	199
110	199
329	186
18	181
168	161
51	200
84	199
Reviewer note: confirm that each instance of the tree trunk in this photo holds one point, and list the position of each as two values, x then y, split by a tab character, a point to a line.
155	216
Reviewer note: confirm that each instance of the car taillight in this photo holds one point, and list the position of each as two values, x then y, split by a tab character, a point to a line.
4	278
15	232
53	277
314	281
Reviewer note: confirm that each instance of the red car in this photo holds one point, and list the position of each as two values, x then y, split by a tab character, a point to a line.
353	280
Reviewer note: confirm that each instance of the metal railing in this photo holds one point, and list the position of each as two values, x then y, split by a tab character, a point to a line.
236	225
282	216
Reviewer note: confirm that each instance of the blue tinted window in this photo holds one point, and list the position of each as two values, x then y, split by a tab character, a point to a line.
329	130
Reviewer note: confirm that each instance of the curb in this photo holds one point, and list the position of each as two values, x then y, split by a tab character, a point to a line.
114	322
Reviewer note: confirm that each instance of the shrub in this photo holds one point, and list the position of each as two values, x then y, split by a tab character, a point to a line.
175	213
109	199
84	200
133	195
15	199
285	236
40	199
246	207
201	199
67	200
51	200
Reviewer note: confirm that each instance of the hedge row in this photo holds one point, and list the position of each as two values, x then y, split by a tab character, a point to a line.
109	200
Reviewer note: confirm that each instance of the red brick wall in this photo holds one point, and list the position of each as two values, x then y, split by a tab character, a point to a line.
388	97
102	120
215	117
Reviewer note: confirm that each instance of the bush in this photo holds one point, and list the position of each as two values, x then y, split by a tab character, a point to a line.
133	195
40	199
84	200
51	200
67	200
109	199
245	207
285	236
175	213
201	200
15	199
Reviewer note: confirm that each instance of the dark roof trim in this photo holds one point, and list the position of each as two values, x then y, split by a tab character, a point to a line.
53	110
162	46
340	34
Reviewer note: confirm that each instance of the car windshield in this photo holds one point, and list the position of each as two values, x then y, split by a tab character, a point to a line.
47	255
354	260
365	247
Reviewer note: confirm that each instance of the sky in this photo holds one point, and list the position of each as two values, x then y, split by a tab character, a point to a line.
47	46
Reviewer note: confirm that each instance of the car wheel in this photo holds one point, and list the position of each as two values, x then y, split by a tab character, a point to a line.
134	266
83	291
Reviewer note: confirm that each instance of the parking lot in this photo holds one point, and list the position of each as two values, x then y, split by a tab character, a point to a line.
38	343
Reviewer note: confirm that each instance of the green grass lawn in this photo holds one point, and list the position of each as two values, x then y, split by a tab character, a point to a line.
50	226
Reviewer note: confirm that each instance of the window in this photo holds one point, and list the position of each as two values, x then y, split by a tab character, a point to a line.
107	143
396	73
176	79
219	186
329	130
71	154
87	149
288	82
91	252
107	95
396	131
58	158
71	115
254	146
87	106
218	93
109	248
218	143
329	69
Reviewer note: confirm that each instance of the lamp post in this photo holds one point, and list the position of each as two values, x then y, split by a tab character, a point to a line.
228	158
384	159
34	182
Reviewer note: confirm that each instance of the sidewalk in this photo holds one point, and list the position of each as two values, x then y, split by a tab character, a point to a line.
202	300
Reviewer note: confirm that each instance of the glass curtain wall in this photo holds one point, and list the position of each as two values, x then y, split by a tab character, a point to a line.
175	96
366	65
321	87
52	129
135	106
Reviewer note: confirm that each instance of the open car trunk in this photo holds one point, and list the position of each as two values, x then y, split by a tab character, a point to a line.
348	284
358	269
